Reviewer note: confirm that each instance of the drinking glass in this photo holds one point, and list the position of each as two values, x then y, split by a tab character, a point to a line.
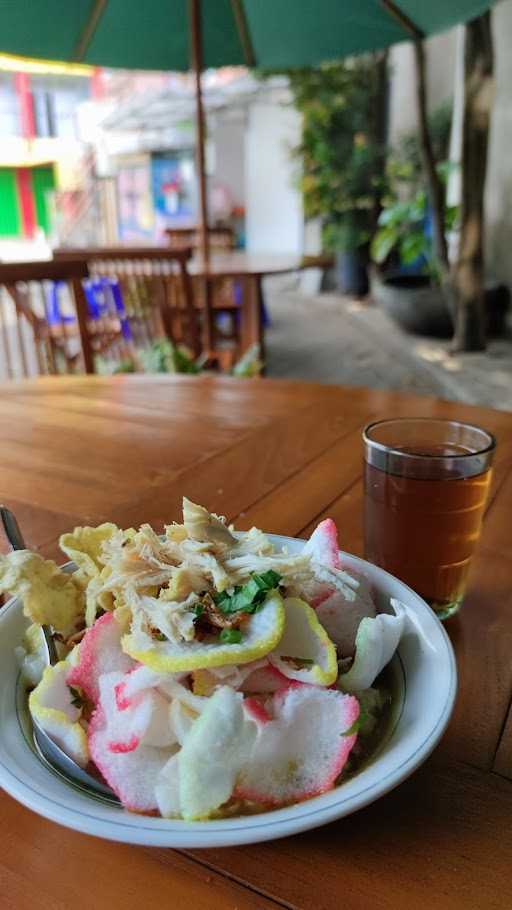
426	484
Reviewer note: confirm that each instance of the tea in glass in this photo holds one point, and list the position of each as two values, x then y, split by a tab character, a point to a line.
426	485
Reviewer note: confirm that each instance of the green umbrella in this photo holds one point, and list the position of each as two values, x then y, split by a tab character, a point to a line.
190	34
154	34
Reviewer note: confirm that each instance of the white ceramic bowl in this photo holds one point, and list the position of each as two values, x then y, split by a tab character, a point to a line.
425	663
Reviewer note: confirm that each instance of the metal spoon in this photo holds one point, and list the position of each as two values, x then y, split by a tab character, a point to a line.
45	746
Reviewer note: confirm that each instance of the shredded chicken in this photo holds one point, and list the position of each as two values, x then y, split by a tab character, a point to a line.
202	525
161	582
174	621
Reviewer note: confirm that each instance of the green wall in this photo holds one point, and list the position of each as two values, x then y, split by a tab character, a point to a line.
42	180
10	220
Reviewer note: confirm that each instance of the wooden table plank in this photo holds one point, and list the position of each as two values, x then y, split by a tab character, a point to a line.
308	492
46	867
347	512
230	481
155	413
40	526
280	455
503	758
442	839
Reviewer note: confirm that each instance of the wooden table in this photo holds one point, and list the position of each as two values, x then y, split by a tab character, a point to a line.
250	269
279	455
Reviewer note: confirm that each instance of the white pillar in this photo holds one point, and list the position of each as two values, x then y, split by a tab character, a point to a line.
274	214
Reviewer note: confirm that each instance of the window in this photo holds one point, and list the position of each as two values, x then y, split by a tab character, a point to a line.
44	113
9	114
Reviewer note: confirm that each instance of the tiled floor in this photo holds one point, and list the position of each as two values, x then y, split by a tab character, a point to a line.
329	338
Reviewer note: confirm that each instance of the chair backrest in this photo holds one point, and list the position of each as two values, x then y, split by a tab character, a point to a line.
41	311
220	238
151	294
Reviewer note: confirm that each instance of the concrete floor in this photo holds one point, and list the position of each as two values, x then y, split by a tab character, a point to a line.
333	339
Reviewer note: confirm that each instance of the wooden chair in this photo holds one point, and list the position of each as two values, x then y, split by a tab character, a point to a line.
30	342
224	292
151	297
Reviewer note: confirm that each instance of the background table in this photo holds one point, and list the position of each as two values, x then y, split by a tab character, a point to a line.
250	269
282	456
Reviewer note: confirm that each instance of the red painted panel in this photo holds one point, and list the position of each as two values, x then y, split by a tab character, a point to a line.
97	84
22	89
26	200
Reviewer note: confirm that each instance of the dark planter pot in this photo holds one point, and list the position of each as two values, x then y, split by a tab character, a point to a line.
413	302
497	305
352	272
420	307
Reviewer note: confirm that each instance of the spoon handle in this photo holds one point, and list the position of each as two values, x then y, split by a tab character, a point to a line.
15	538
12	529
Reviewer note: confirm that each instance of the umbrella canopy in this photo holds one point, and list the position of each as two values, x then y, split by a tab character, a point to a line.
154	34
197	34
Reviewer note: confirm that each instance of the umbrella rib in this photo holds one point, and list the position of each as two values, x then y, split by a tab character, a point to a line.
243	32
403	19
89	29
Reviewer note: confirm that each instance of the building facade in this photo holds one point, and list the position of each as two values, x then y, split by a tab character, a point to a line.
40	150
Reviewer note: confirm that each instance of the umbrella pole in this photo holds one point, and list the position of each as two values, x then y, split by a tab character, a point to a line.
196	52
196	49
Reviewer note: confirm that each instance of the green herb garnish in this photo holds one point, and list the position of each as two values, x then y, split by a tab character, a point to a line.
159	636
77	699
198	609
249	597
231	636
353	729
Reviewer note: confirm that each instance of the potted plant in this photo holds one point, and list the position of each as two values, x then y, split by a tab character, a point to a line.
405	280
347	238
409	288
341	157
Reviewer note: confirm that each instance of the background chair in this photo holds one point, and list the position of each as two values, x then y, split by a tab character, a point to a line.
40	329
136	296
226	293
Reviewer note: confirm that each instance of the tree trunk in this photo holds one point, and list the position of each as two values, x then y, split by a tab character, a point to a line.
468	276
435	186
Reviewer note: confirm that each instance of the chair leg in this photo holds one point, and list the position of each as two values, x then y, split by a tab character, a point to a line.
81	314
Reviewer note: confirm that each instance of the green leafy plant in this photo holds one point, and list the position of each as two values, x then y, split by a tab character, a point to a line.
165	357
404	165
250	363
402	236
402	232
341	154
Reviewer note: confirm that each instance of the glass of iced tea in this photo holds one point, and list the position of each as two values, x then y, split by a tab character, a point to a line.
426	485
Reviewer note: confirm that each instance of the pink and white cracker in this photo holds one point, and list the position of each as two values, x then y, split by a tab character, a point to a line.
322	546
100	652
131	746
376	641
302	750
341	617
217	746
